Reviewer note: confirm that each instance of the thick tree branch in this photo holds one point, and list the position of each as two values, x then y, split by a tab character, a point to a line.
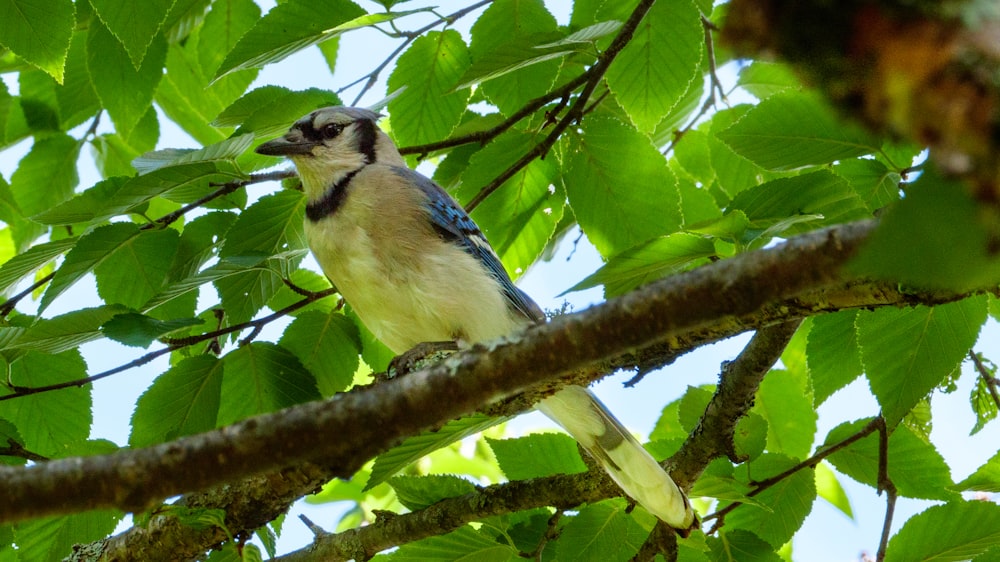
681	299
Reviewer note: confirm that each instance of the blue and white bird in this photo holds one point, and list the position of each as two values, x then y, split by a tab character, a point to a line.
416	269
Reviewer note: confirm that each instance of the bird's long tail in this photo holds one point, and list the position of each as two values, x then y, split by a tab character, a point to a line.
584	417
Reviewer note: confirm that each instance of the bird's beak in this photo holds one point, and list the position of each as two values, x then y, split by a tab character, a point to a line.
286	146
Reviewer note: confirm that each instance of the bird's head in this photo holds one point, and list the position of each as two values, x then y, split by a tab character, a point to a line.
331	142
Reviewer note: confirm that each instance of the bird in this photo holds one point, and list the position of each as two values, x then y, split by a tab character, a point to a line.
416	270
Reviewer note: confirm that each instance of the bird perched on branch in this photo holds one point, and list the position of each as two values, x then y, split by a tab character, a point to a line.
416	269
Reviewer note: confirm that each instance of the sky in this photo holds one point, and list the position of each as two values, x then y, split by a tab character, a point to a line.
828	535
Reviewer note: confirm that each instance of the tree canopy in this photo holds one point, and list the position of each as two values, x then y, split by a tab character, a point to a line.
846	213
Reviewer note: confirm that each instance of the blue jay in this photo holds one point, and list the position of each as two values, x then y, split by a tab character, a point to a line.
417	269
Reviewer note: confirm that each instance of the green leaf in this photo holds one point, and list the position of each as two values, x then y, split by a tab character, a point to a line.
654	71
138	330
829	488
875	184
274	116
328	345
47	175
225	23
182	401
915	466
135	25
737	545
288	28
907	352
462	544
429	69
503	45
392	461
647	262
822	194
55	538
832	353
936	237
602	531
271	226
22	265
520	217
792	130
784	400
60	333
92	249
76	98
985	479
764	79
38	31
981	398
692	406
52	422
262	377
733	173
950	532
126	92
621	191
535	456
588	34
418	492
137	269
787	502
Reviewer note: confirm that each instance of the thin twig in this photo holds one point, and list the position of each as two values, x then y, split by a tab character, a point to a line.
885	483
224	189
988	378
15	449
8	306
709	27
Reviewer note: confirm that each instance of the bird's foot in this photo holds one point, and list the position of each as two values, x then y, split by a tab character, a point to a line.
418	357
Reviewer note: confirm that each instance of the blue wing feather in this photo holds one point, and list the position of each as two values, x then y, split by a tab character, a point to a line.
454	223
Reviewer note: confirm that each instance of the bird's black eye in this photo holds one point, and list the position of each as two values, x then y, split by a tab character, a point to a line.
331	130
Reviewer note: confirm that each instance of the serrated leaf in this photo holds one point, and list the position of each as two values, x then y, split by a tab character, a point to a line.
535	456
273	116
738	545
950	532
38	32
791	130
654	71
182	401
54	538
784	400
135	25
90	250
832	353
262	377
328	345
986	478
764	79
392	461
137	269
788	502
429	69
47	175
602	531
126	92
288	28
656	259
418	492
915	467
138	330
907	352
60	333
22	265
829	488
936	237
587	34
820	198
875	184
619	187
462	544
50	423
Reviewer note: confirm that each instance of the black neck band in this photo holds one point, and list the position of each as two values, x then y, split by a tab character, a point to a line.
331	200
